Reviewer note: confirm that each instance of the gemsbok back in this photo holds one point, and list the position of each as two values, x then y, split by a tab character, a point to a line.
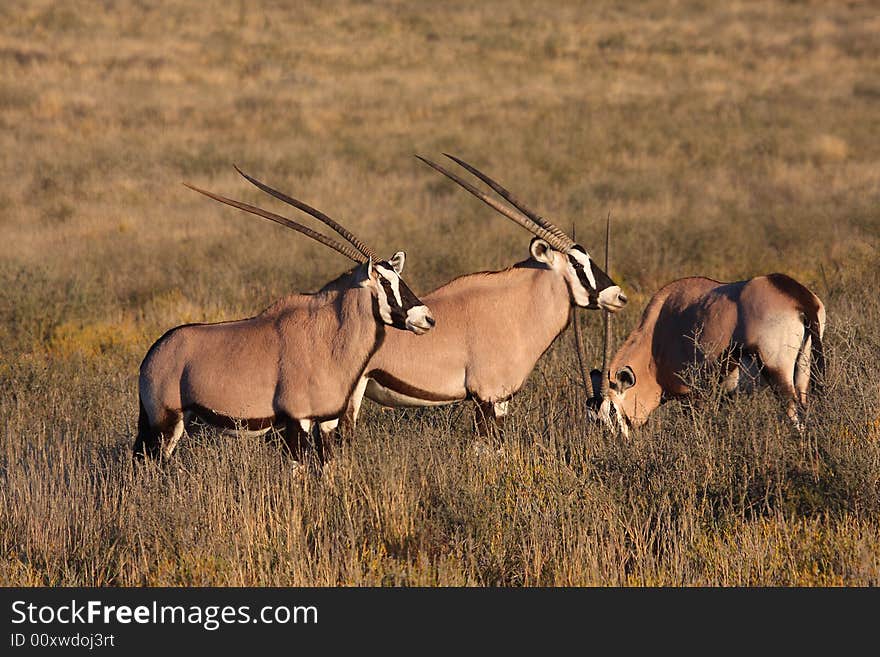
492	327
294	365
765	330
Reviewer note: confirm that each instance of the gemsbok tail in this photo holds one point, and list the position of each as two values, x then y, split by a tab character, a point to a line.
815	326
809	374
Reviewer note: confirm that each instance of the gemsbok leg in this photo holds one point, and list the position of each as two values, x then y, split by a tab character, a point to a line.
158	439
490	415
782	354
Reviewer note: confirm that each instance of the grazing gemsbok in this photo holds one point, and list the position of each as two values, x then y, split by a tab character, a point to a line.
492	327
765	330
293	365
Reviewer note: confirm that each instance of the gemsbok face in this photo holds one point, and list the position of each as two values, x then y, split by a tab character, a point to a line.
617	410
397	305
590	287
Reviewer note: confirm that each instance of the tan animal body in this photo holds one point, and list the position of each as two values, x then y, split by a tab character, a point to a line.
492	327
765	330
293	365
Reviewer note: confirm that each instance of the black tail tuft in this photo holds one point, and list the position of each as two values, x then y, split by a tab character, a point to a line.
817	360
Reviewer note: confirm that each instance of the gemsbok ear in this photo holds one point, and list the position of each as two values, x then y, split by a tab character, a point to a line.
397	261
626	378
541	251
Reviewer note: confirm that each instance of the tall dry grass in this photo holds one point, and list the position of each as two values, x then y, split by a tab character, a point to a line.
726	141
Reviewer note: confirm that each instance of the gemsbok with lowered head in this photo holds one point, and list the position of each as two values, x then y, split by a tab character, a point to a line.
294	365
763	331
492	327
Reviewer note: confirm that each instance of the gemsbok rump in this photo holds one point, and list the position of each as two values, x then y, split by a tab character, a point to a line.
294	365
765	330
492	327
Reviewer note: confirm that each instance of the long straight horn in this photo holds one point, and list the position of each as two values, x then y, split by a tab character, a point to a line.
317	214
348	252
519	205
606	356
516	217
581	348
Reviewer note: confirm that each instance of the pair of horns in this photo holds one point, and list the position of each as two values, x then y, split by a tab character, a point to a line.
360	253
579	335
525	217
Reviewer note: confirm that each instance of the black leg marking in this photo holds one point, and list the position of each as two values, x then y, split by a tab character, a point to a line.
487	421
302	445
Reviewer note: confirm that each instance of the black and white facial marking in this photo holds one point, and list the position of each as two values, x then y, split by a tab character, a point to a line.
612	411
612	417
590	286
398	306
608	411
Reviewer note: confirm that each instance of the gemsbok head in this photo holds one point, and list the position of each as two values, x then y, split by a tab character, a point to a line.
590	287
294	365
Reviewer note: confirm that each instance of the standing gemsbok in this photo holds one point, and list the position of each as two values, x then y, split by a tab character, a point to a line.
765	330
294	365
492	327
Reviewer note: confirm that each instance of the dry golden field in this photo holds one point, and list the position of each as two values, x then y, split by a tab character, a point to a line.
727	140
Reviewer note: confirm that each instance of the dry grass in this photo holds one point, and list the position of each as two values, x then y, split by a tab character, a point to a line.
727	141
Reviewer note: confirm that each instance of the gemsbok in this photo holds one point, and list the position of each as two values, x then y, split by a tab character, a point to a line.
293	366
492	327
765	330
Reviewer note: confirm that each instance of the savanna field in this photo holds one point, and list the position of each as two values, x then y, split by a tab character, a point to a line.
726	139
